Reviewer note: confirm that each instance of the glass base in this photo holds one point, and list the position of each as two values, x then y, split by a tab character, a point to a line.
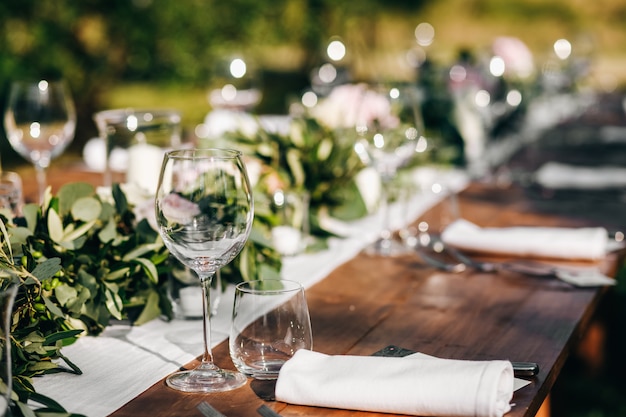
387	247
202	380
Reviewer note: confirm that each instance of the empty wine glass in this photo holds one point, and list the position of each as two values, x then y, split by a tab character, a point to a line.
40	120
204	211
390	134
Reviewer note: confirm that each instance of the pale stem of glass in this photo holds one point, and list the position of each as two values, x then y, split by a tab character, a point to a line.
205	280
41	181
385	232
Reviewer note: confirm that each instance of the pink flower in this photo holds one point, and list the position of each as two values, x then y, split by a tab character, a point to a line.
518	60
352	104
177	209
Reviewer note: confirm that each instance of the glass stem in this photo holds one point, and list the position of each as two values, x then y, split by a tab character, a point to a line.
385	233
207	356
41	181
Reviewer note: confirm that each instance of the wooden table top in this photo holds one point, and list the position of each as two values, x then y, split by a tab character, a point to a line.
371	302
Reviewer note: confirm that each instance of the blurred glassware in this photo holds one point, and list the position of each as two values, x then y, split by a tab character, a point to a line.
291	233
135	141
40	120
390	134
237	84
11	192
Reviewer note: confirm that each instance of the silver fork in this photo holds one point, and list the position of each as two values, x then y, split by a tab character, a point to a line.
207	410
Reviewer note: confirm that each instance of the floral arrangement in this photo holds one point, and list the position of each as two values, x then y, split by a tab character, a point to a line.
83	259
306	155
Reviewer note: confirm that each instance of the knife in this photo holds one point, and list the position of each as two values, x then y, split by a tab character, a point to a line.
520	369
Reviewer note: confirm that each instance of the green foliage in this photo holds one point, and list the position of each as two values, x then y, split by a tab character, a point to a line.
311	158
83	260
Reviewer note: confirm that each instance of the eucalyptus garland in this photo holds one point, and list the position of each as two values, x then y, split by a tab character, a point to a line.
82	260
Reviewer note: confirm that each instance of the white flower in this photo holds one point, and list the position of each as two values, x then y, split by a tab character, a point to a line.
178	209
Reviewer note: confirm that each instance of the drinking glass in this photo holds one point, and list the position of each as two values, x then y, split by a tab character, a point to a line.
390	134
40	120
204	211
135	141
7	297
270	323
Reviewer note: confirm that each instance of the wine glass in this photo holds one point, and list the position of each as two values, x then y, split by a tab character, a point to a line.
40	120
204	211
390	134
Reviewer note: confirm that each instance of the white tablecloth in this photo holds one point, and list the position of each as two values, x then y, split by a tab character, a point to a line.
124	361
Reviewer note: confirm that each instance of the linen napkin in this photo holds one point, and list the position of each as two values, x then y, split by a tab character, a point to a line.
588	243
557	175
421	385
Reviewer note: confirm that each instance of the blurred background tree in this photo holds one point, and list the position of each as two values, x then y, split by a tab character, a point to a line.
96	45
159	53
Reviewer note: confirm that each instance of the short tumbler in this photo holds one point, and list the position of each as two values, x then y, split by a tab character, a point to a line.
270	323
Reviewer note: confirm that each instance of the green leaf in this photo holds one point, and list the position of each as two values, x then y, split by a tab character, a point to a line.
149	268
55	226
65	293
141	250
71	235
54	309
151	309
47	269
108	232
86	209
113	301
62	335
31	213
70	192
121	203
117	274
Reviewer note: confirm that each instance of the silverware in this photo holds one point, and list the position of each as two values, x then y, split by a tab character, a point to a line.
431	260
265	411
207	410
525	369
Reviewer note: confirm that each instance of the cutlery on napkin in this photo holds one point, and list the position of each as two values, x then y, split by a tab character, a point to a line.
415	385
587	243
590	243
556	175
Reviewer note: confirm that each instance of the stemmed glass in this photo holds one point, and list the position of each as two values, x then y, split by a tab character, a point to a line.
204	211
390	134
40	120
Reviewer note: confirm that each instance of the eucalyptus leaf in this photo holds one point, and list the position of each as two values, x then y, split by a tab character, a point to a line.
86	209
108	233
31	213
70	192
64	293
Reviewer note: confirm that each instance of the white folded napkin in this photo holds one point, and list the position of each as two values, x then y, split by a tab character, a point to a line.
416	385
556	175
587	243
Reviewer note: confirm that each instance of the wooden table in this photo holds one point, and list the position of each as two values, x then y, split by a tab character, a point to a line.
371	302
